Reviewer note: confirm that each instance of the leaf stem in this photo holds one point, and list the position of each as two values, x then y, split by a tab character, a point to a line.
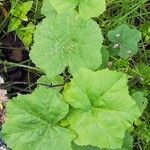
6	63
25	83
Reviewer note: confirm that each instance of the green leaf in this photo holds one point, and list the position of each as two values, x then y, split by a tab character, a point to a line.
62	6
140	100
26	34
127	142
68	41
20	10
14	24
76	147
124	41
127	145
33	122
87	8
47	10
91	8
102	108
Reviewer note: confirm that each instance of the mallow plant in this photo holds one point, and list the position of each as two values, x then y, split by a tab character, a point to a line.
91	111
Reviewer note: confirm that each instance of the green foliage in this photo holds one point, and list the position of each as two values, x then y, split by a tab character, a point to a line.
95	104
144	70
14	24
121	64
34	121
124	41
64	5
19	14
127	142
100	108
143	132
20	10
140	100
94	110
76	147
68	41
145	29
26	34
127	145
87	8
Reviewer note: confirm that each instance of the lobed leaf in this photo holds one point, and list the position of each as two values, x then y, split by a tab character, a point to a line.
87	8
102	108
66	40
124	41
33	122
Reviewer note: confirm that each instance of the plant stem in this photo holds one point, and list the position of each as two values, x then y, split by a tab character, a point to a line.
6	63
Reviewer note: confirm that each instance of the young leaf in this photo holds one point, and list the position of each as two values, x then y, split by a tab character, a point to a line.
102	108
87	8
124	41
66	40
20	10
26	34
14	24
33	122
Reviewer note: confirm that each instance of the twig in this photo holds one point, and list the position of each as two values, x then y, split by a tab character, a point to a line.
25	83
22	66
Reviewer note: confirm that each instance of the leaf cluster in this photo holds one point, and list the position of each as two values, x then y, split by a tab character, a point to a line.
93	111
